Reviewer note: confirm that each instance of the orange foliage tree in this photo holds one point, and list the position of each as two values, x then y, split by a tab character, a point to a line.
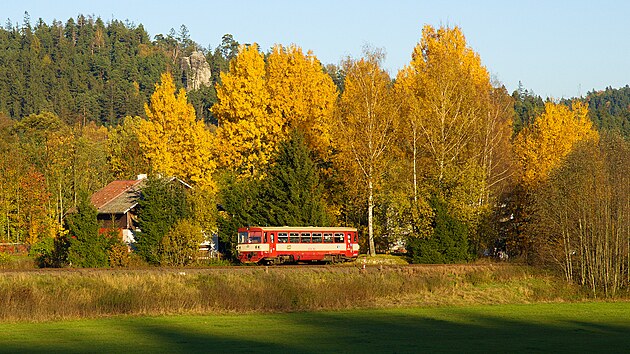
34	216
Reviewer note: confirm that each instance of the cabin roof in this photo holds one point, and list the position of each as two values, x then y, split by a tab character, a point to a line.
118	197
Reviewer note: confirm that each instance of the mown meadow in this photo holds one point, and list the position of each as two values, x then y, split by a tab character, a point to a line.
544	328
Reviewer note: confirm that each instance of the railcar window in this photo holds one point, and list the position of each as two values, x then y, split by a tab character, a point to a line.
317	238
305	237
338	238
328	238
294	237
283	237
242	237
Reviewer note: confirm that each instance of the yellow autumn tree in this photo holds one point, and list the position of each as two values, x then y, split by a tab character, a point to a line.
495	142
123	149
173	141
542	146
247	135
366	123
453	131
302	94
450	90
260	101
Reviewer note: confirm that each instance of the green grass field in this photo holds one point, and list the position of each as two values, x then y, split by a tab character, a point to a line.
542	328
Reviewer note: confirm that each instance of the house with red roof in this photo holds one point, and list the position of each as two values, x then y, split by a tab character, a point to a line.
117	206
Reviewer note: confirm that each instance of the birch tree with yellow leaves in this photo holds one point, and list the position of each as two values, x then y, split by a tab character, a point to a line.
450	90
367	121
583	215
458	124
173	141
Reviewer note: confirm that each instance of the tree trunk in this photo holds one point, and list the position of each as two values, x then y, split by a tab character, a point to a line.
370	218
415	167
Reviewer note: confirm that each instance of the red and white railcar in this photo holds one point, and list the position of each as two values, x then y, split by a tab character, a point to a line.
275	245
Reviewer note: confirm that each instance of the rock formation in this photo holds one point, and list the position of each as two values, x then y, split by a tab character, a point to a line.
197	71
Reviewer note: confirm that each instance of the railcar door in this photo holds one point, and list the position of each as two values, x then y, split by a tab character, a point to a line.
348	243
271	237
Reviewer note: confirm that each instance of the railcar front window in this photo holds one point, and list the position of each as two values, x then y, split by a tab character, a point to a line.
242	237
245	237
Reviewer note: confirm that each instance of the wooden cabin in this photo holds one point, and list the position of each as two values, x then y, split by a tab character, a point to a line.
117	206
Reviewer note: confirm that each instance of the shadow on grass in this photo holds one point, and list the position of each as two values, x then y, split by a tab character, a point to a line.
537	328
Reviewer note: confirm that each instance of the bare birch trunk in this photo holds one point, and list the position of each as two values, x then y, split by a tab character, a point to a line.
370	218
415	166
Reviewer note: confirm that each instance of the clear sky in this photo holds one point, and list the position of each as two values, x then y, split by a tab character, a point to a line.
555	48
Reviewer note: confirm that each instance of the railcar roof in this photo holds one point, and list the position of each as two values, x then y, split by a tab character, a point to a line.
297	228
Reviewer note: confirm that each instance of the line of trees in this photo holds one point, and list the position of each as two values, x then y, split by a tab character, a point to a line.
438	156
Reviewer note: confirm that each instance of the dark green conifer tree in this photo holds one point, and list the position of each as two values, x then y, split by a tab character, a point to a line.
293	194
162	204
87	249
240	205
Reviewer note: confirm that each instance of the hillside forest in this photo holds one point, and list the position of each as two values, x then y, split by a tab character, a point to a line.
437	157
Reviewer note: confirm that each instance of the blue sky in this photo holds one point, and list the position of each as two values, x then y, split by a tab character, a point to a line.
555	48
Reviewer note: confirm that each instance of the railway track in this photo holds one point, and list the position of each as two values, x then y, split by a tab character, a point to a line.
357	266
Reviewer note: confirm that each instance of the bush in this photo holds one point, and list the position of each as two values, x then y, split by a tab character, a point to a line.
43	252
180	245
118	255
447	244
5	259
